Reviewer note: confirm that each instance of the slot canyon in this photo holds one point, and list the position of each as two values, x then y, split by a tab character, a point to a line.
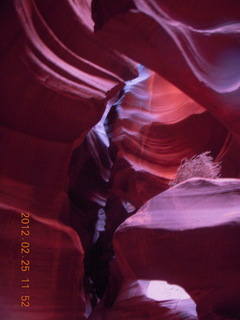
101	102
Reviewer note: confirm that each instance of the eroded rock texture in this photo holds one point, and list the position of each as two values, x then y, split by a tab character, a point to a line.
156	126
198	53
88	136
133	303
54	282
188	235
56	81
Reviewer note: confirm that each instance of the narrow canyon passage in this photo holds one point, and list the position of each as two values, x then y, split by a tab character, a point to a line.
102	103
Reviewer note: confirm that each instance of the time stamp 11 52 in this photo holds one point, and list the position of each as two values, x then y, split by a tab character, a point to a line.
24	260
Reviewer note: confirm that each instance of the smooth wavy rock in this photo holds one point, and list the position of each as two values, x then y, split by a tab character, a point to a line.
54	90
157	126
53	285
56	79
195	49
132	303
189	236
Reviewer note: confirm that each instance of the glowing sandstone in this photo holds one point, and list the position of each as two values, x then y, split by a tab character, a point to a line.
198	53
58	77
155	127
188	235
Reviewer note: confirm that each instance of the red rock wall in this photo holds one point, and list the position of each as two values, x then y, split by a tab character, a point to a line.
63	64
156	126
56	81
198	55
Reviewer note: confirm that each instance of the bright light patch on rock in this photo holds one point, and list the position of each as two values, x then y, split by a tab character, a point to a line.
161	290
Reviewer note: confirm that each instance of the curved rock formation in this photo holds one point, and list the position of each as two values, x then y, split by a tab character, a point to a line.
157	126
198	53
41	269
51	94
56	81
132	303
188	235
58	77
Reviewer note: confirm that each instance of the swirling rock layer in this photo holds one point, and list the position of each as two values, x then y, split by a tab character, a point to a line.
58	76
183	236
156	126
41	270
198	53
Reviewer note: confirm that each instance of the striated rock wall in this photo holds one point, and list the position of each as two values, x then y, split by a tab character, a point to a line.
100	102
189	236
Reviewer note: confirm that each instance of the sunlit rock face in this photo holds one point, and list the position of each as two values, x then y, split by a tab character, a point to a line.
133	303
55	89
56	80
88	136
198	53
189	236
157	126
